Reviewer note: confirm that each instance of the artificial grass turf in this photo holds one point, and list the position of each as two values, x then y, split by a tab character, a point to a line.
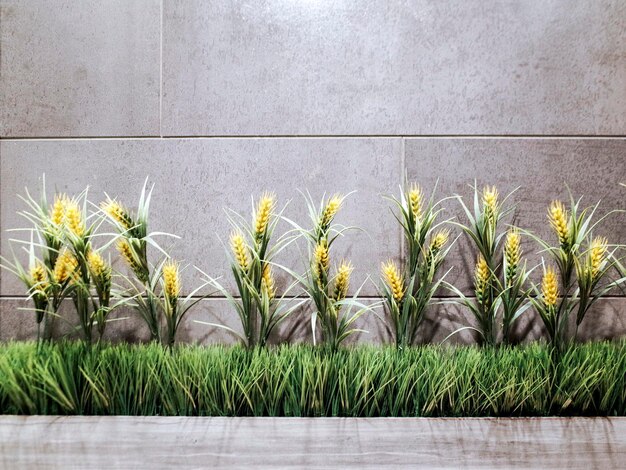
72	378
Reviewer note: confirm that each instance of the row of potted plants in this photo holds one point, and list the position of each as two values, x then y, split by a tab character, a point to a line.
66	245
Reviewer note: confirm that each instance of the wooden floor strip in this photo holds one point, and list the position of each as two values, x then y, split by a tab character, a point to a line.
160	442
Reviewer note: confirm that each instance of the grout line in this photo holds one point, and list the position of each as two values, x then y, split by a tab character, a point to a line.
404	136
2	271
369	297
403	175
52	139
161	75
317	136
221	297
403	161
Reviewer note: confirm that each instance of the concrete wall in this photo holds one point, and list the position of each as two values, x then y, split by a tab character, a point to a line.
215	101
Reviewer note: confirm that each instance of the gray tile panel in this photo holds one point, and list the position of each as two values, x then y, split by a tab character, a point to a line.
414	67
543	169
195	179
88	68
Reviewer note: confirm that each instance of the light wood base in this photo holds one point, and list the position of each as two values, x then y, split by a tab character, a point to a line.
157	442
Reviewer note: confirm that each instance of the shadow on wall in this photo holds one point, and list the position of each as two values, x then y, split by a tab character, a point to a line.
605	321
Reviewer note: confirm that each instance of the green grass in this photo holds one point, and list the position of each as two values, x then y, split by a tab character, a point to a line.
71	378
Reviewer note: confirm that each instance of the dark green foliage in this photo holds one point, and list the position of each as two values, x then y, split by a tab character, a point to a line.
72	378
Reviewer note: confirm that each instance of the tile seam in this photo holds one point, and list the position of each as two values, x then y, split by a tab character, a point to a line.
373	297
316	136
403	176
161	71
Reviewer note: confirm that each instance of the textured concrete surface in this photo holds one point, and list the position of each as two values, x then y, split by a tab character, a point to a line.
162	442
543	169
410	67
87	68
197	178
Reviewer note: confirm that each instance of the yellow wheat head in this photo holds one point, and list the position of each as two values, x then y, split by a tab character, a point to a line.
332	207
267	281
342	281
65	267
394	279
127	253
416	200
439	240
490	202
482	275
38	276
57	211
321	260
264	212
74	219
549	287
118	213
597	254
240	249
512	253
559	220
97	265
171	280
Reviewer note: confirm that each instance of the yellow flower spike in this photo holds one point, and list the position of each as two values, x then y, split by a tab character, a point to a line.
127	253
74	219
549	287
57	211
71	264
597	253
512	253
38	276
439	240
133	260
267	281
559	220
342	281
416	200
482	275
322	259
118	213
394	280
240	250
171	280
65	267
264	212
96	262
332	207
490	202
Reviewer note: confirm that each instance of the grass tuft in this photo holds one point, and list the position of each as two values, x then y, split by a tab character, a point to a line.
75	379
